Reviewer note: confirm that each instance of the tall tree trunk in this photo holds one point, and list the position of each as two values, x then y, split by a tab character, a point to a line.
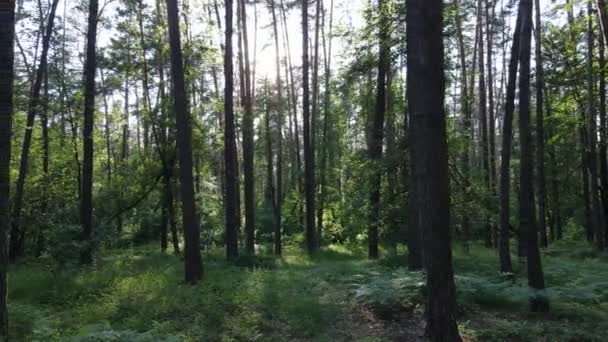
279	191
377	134
527	217
7	38
425	87
17	236
491	110
603	131
540	132
309	155
193	261
326	122
248	141
466	124
294	106
505	152
107	133
596	207
603	16
86	206
483	118
229	142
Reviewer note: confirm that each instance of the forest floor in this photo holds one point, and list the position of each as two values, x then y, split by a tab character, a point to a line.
138	295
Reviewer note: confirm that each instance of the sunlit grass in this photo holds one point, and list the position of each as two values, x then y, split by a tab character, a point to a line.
139	294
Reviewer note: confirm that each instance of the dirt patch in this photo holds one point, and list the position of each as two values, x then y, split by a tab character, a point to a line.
364	323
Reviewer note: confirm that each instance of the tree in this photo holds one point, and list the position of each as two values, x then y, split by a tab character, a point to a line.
34	105
229	146
527	218
309	161
505	165
248	139
540	132
279	189
377	133
425	87
7	38
193	262
86	206
596	208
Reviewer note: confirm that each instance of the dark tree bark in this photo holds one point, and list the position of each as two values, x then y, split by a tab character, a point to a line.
229	142
540	131
596	207
279	189
483	118
505	164
17	236
327	50
248	148
425	87
603	16
527	217
309	161
193	261
603	132
7	38
491	111
377	133
466	124
86	206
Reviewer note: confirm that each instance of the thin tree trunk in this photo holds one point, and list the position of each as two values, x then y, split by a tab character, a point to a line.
596	207
193	261
17	236
603	132
527	217
466	123
248	140
86	206
505	152
279	190
7	38
491	112
326	122
540	133
229	143
377	134
483	119
309	155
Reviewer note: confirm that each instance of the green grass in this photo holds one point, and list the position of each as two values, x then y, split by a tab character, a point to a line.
139	295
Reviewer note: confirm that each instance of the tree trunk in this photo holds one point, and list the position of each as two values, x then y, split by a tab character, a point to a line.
326	122
193	261
527	217
86	206
229	142
17	236
309	156
377	134
248	139
483	118
505	153
540	132
603	132
279	190
7	38
596	207
466	124
425	88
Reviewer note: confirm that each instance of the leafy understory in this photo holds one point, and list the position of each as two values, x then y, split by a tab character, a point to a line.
138	295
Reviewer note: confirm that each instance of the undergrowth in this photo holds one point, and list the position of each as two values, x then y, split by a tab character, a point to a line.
139	295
